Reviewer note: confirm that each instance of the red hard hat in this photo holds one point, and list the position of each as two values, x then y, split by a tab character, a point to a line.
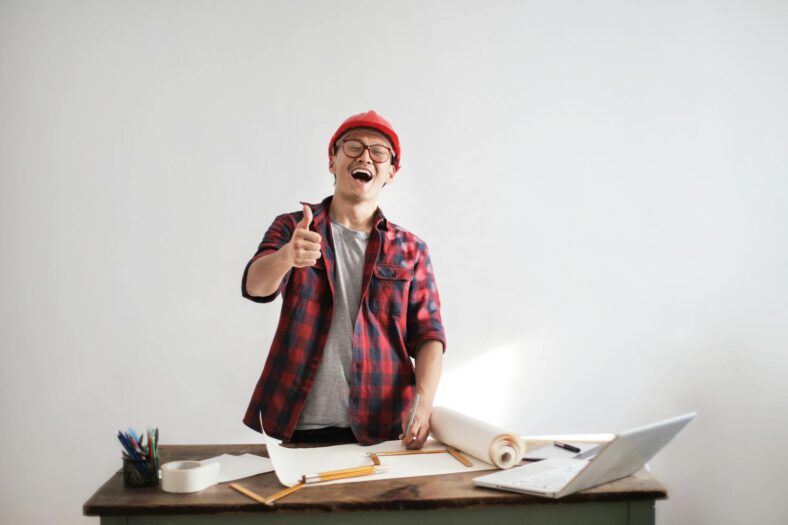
370	119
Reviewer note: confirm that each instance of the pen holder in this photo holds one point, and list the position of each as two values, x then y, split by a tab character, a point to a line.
140	473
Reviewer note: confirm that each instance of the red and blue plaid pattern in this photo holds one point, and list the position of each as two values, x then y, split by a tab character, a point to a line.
400	310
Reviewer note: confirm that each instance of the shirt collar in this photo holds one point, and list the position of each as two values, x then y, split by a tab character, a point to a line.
320	213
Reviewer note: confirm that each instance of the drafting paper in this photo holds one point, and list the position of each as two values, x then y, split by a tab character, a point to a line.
551	451
292	463
479	439
236	467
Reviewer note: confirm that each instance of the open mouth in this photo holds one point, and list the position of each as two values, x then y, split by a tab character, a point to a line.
361	175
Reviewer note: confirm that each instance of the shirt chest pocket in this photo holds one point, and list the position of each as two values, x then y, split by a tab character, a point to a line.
389	288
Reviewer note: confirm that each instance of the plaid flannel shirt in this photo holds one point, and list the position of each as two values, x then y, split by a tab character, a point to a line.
400	310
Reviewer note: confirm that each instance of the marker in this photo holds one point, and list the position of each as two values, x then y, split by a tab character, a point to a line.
566	446
412	415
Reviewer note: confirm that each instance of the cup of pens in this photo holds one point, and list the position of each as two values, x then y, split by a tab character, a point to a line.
140	458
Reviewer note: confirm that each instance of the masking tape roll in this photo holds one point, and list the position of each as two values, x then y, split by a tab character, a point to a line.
188	476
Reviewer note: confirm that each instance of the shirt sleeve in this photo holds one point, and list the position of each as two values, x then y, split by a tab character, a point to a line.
424	306
278	234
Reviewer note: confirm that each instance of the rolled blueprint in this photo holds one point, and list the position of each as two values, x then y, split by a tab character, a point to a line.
477	438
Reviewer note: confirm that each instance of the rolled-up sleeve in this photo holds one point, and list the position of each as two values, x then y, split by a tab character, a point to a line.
278	234
424	306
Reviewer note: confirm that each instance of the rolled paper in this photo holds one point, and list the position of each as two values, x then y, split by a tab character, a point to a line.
481	440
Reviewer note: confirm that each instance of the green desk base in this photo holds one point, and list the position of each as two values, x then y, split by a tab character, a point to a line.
593	513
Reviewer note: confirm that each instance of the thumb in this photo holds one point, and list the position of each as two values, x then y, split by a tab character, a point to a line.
307	220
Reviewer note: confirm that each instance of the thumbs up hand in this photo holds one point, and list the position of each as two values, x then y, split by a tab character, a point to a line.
304	246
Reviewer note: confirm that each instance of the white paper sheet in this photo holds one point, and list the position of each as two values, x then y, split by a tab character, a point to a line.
584	441
551	451
292	463
237	467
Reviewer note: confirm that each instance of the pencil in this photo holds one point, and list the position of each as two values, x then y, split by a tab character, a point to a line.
412	415
284	492
340	471
269	500
406	452
342	474
459	457
248	493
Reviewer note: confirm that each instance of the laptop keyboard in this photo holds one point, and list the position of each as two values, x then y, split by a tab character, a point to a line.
550	480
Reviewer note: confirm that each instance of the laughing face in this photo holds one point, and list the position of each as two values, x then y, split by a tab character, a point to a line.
360	179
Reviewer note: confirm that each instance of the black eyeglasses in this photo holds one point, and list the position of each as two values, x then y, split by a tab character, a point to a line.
355	148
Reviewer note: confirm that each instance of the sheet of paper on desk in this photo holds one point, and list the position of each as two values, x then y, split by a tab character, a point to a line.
292	463
238	467
551	451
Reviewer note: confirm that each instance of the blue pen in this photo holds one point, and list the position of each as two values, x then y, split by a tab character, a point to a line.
132	433
125	440
126	447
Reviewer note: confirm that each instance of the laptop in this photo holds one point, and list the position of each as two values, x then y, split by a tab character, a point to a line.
624	455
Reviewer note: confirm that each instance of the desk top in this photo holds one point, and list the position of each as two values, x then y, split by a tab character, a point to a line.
417	493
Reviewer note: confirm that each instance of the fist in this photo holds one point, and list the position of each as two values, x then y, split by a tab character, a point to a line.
419	430
304	245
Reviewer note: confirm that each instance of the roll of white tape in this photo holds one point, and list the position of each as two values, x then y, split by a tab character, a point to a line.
188	476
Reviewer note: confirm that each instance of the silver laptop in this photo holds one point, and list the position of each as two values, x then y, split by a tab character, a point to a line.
624	455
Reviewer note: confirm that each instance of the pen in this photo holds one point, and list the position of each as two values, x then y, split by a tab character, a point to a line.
130	450
412	414
566	446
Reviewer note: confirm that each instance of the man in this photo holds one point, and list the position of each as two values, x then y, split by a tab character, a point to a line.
359	301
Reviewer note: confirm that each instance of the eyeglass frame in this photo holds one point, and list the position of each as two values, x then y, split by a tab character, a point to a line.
392	156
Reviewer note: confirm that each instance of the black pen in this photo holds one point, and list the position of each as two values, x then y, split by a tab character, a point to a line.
566	446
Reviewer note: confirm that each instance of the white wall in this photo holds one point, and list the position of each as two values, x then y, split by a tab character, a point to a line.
602	185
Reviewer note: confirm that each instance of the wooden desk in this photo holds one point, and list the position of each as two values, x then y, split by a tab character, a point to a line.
445	499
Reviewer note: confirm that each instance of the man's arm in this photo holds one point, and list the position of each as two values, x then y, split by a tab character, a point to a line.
429	360
266	273
426	343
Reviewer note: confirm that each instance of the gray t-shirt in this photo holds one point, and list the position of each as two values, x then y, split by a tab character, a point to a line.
327	403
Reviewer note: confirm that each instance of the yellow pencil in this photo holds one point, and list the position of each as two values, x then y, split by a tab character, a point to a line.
284	492
269	500
459	457
341	474
408	452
